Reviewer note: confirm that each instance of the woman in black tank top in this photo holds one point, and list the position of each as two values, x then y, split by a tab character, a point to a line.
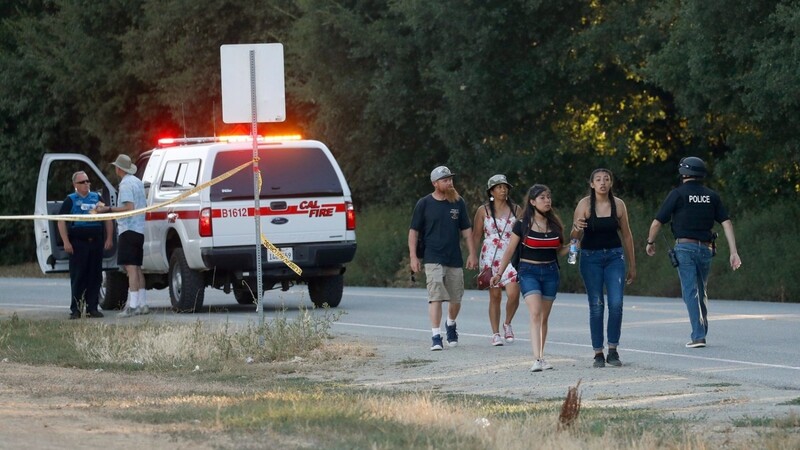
601	224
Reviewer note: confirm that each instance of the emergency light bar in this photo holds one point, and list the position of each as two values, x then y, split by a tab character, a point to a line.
173	142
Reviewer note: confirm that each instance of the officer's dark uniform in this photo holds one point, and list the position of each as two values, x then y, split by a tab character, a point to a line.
86	261
693	208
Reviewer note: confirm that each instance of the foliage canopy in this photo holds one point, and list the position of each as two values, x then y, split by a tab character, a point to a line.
542	91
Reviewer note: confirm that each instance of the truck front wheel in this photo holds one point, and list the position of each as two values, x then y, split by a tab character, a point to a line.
186	287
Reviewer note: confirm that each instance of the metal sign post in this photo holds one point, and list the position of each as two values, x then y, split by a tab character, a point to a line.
256	194
265	102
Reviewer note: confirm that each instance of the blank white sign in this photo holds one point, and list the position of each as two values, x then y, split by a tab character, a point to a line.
236	92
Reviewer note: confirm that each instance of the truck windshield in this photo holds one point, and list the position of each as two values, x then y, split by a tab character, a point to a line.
286	172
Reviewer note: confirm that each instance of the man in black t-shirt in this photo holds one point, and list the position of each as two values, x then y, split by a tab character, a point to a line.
693	209
439	222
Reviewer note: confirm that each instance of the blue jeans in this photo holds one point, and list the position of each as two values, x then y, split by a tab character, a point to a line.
539	279
694	263
601	268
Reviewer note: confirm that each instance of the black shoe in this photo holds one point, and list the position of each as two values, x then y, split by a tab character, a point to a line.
437	343
452	334
613	358
599	360
75	315
95	314
696	343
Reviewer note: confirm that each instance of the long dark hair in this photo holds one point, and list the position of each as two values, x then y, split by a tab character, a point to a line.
593	198
508	201
553	221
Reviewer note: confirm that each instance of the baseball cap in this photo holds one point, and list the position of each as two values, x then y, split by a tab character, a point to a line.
441	172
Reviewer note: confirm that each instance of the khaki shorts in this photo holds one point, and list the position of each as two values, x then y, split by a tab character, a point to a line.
445	284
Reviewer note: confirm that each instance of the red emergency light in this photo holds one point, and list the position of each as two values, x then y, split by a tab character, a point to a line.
173	142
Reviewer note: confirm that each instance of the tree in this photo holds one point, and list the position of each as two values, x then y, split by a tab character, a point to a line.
731	69
31	122
173	54
415	84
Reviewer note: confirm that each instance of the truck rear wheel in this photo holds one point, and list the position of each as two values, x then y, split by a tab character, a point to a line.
186	287
114	292
245	291
326	290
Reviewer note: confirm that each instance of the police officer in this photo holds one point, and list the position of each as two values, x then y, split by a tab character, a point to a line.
84	241
693	209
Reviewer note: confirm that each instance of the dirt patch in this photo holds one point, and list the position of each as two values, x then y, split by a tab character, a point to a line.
52	407
491	371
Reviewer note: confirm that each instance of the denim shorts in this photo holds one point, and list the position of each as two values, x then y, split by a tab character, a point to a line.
540	279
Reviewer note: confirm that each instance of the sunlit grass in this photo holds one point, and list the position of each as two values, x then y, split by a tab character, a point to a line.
257	407
335	416
790	421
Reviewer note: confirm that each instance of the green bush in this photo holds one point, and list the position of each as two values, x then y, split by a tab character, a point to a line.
382	254
769	252
654	275
764	240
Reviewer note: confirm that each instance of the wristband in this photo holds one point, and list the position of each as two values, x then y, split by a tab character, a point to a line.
651	243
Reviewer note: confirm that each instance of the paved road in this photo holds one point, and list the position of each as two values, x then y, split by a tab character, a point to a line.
749	342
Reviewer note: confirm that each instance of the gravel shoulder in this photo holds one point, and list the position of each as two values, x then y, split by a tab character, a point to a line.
52	407
494	372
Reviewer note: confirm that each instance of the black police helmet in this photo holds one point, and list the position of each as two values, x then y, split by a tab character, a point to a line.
692	166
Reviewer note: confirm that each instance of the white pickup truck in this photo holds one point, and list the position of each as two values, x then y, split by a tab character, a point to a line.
208	239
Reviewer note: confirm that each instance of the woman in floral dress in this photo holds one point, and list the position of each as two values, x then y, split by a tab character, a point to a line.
492	227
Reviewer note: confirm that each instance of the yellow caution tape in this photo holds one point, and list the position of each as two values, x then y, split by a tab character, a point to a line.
277	252
122	215
111	216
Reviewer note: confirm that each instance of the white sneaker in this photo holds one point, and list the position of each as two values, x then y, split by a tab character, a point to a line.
143	310
508	333
546	365
537	366
497	340
128	312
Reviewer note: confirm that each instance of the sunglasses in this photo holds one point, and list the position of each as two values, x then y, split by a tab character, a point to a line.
83	182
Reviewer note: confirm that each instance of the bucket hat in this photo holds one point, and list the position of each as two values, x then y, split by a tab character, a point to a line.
495	180
124	163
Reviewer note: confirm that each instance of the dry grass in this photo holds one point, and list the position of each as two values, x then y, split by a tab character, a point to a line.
530	427
204	345
253	406
26	270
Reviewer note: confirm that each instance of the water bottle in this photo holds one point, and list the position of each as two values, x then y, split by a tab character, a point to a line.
573	252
